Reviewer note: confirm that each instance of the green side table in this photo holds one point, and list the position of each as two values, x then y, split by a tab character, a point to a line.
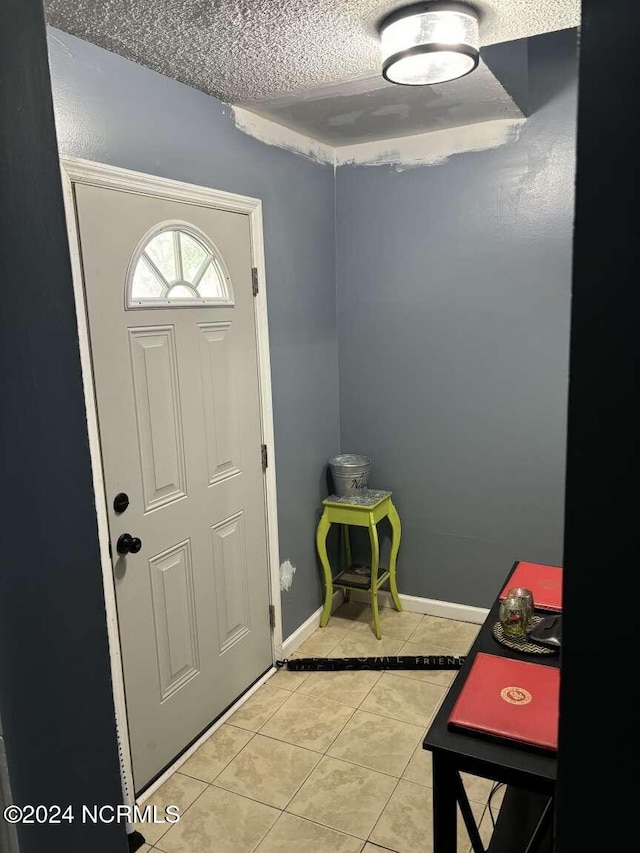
365	509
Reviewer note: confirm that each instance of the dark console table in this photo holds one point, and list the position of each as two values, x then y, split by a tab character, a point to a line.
525	822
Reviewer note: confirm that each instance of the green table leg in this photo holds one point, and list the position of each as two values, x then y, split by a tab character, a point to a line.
375	562
396	531
321	543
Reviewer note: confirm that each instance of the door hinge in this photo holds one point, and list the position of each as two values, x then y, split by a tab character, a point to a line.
272	616
254	280
265	457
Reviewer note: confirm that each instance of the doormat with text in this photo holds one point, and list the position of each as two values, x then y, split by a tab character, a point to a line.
391	662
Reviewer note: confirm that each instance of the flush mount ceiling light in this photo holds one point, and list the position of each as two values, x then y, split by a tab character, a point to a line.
430	42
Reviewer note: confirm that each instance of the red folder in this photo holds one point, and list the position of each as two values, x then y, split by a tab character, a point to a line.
545	583
510	700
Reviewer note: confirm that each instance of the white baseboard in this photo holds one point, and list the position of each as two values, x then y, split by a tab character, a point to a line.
307	628
428	606
412	603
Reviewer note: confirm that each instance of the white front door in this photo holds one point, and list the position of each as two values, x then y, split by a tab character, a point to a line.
173	346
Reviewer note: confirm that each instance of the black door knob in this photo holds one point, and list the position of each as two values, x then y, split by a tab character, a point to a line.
128	544
121	502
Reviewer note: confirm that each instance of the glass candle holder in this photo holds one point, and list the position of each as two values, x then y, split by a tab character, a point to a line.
527	596
514	616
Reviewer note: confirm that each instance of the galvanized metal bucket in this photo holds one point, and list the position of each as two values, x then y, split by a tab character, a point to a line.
350	473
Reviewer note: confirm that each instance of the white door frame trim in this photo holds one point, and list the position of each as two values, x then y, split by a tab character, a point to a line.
76	170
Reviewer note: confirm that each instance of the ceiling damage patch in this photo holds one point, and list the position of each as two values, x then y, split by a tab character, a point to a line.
272	133
430	149
374	109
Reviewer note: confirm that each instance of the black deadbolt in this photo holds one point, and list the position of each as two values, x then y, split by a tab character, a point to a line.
128	544
121	502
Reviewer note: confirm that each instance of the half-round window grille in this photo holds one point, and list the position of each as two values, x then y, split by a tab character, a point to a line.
175	264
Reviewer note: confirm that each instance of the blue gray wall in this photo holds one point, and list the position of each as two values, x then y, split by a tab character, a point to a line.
453	288
453	313
111	110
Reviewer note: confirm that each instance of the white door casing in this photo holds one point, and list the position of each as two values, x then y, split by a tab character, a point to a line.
156	340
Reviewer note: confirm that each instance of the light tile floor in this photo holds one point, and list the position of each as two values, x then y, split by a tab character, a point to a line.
326	762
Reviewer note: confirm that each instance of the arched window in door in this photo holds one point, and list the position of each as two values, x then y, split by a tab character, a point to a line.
174	265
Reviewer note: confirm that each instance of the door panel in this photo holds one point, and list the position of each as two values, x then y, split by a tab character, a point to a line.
220	402
177	392
174	612
230	566
157	407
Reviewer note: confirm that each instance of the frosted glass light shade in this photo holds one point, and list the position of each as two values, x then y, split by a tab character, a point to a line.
429	42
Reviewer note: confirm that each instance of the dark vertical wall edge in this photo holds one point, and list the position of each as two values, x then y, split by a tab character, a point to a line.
509	62
56	700
598	719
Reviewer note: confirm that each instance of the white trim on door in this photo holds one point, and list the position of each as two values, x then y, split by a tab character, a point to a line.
75	170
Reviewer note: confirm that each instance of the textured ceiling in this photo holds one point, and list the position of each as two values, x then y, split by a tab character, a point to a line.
246	50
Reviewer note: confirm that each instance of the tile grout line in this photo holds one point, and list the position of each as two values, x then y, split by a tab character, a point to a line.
282	811
295	793
277	740
324	699
335	700
251	739
182	811
405	674
273	826
373	828
290	743
384	717
366	711
410	722
182	814
375	769
326	753
235	794
253	734
344	761
420	742
326	826
281	740
269	717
